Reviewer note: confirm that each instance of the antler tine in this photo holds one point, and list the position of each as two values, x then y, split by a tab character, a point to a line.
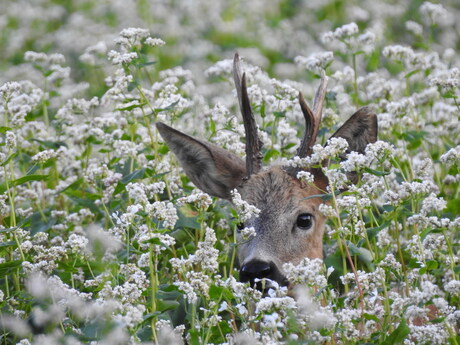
312	118
253	144
309	127
237	77
320	96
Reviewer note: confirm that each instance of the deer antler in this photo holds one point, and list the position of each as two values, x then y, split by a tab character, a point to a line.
253	144
312	118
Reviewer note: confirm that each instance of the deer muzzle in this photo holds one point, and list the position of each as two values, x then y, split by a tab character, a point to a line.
261	274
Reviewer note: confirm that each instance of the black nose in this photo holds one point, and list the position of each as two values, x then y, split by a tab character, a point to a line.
258	270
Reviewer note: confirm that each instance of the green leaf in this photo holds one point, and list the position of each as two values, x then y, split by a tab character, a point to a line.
218	292
138	174
23	180
50	144
212	125
325	197
271	153
163	305
194	337
73	185
414	138
154	240
180	235
453	205
4	129
37	224
388	208
372	232
187	218
431	264
28	178
362	253
144	64
414	263
167	108
410	74
398	335
9	267
132	85
131	107
10	157
8	244
449	94
375	172
371	317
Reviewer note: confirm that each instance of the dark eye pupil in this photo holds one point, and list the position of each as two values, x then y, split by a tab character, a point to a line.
304	221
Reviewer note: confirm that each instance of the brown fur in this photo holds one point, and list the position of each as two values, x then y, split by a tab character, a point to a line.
276	191
281	199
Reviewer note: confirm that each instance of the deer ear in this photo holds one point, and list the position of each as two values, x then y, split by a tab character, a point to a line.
212	169
359	130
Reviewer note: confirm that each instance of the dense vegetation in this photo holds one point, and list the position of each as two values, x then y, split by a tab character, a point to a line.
104	240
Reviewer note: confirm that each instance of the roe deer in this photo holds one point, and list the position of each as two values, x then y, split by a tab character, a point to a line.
289	226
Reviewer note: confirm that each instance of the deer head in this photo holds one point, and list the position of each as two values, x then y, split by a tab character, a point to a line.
289	226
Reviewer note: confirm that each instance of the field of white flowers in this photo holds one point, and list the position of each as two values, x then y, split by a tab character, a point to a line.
104	240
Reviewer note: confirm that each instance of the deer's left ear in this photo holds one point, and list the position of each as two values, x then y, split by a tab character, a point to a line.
212	169
359	130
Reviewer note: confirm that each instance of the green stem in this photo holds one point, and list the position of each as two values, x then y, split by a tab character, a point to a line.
44	105
355	77
153	266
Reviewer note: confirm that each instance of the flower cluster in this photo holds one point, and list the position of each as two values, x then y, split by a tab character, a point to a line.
105	241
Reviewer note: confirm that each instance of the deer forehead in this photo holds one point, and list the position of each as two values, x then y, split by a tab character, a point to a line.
275	190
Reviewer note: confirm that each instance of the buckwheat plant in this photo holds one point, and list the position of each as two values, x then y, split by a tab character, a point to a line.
103	238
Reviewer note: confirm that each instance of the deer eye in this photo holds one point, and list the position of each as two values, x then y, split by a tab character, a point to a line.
304	221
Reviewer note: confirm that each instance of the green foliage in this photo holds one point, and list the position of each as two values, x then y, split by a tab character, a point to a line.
104	239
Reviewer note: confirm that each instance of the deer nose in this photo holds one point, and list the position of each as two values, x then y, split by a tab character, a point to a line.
256	270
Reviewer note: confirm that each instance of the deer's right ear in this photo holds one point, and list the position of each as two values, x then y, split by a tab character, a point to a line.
212	169
359	130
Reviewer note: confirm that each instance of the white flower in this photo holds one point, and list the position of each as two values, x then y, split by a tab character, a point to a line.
414	27
306	176
310	272
248	233
10	139
435	14
154	42
451	157
341	32
453	287
163	210
199	198
244	209
77	243
275	303
316	62
223	67
333	148
44	156
432	203
327	210
52	59
355	161
121	58
206	255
